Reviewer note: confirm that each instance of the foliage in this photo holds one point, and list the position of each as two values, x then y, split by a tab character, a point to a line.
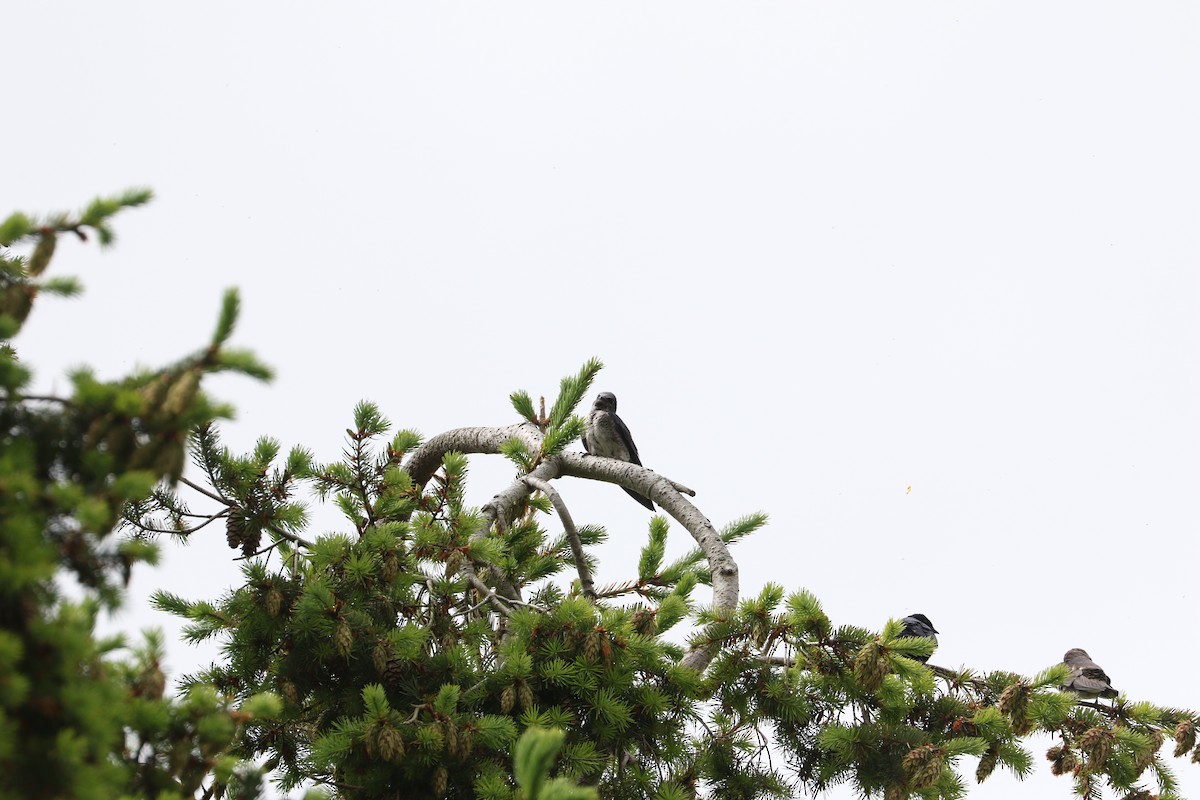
432	649
76	719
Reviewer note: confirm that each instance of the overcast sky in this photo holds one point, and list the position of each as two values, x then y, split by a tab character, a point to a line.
827	251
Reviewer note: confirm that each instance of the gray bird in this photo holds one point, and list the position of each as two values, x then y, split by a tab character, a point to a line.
919	625
606	435
1087	679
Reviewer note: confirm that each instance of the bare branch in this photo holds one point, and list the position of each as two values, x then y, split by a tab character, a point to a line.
426	459
424	462
499	602
291	537
585	574
205	492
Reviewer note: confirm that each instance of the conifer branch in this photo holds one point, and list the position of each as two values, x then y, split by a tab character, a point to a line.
585	574
425	461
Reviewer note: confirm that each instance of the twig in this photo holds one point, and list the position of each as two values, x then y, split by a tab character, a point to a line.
206	492
490	595
291	537
679	487
266	549
502	600
188	531
44	398
585	574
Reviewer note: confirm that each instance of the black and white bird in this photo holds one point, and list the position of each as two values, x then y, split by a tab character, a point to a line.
606	435
1087	678
919	625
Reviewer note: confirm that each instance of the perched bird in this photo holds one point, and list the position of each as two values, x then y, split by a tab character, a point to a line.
919	625
606	435
1087	679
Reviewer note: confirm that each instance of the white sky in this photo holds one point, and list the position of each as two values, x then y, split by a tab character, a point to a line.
827	251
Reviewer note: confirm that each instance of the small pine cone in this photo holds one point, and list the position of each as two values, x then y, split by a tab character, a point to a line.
1062	760
290	696
41	255
451	736
591	646
923	765
379	658
1096	744
1185	737
391	565
1015	703
507	698
870	666
454	562
235	530
393	674
441	781
987	765
895	792
466	743
605	649
525	695
181	394
343	639
643	622
390	744
274	601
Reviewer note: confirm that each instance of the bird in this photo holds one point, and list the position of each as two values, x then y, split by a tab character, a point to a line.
1087	679
606	435
919	625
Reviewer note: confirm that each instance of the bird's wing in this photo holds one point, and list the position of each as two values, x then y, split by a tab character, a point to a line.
626	439
584	439
1095	674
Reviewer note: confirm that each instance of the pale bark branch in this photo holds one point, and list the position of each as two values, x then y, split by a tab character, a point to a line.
564	515
669	495
423	462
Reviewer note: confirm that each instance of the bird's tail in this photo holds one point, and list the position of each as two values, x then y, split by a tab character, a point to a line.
640	498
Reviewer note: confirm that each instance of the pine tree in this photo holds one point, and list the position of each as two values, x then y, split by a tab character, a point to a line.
77	719
412	649
432	649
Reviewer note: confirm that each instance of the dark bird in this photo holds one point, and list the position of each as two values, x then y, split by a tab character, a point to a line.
606	435
1087	679
919	625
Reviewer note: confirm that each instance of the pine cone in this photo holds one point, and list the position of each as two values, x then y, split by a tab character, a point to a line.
343	639
1014	702
390	744
1096	744
235	530
1185	737
253	538
923	765
987	764
393	673
870	666
274	601
441	780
